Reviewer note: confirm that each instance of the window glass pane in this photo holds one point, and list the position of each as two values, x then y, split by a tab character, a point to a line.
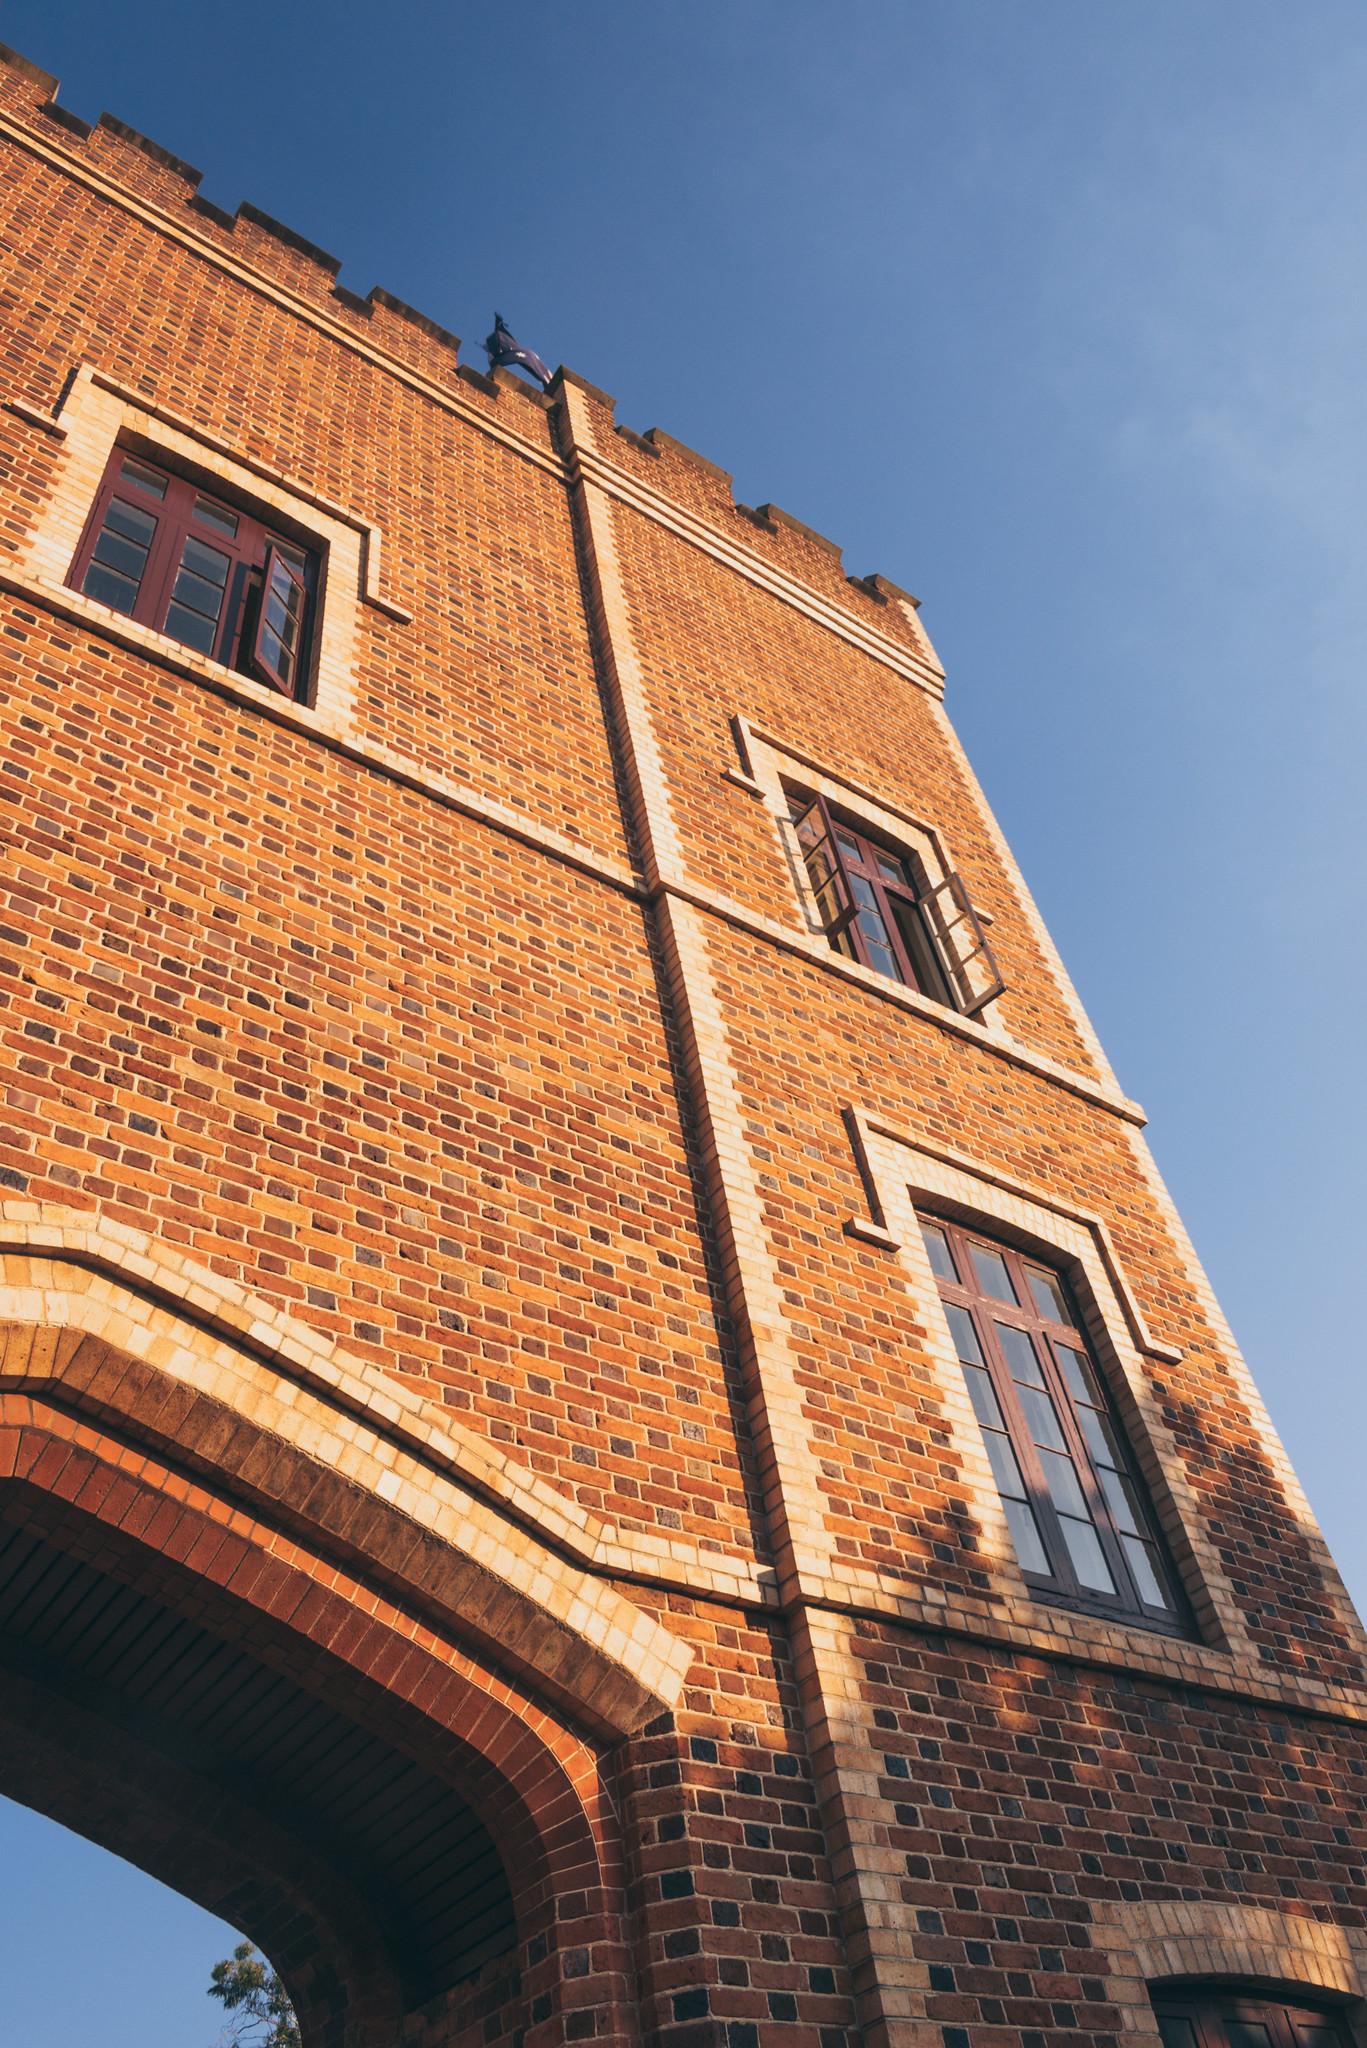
1026	1537
106	586
1041	1418
891	870
1065	1489
1143	1566
1020	1355
880	954
1089	1560
147	479
210	514
127	556
1122	1501
1177	2033
862	891
820	869
807	823
1048	1296
965	1336
281	622
984	1400
1100	1437
131	521
938	1252
1005	1470
992	1274
198	593
848	845
296	557
1313	2034
276	655
1247	2034
829	901
928	973
209	562
191	627
1079	1375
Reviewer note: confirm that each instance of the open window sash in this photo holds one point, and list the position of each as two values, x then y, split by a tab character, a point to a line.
962	944
835	904
279	636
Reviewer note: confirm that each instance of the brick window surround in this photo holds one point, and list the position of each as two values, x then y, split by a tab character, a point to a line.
1078	1512
876	903
905	1175
954	970
1157	1949
94	417
206	570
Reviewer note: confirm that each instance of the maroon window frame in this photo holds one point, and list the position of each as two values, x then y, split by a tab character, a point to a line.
1204	2018
161	549
877	905
1079	1514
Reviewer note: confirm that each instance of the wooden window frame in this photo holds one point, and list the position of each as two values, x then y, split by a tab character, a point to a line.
1061	1586
930	933
236	634
1205	2009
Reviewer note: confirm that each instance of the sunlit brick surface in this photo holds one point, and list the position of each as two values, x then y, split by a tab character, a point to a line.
458	1233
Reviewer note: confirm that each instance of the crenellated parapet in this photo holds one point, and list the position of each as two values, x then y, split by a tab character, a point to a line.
250	237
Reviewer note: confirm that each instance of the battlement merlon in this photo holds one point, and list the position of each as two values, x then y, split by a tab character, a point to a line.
155	175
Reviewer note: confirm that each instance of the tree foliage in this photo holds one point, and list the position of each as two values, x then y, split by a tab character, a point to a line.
259	2013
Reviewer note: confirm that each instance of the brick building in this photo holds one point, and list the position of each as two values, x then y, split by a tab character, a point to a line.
608	1431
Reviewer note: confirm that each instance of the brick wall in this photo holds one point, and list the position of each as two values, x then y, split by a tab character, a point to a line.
466	1036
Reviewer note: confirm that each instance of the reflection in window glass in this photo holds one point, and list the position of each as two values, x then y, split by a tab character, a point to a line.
1089	1560
1048	1296
992	1274
938	1252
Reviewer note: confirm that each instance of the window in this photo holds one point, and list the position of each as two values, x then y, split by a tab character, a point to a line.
878	904
203	571
1083	1529
1225	2019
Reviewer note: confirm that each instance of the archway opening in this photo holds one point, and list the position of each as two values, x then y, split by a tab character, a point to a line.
93	1949
213	1748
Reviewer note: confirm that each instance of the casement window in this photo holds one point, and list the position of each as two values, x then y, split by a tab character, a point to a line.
200	568
879	905
1202	2018
1079	1516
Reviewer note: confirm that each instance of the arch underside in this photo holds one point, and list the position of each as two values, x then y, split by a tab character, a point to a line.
237	1767
192	1679
413	1853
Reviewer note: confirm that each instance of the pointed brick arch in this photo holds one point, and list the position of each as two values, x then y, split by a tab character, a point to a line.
273	1541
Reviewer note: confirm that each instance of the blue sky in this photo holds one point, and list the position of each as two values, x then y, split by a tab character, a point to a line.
1055	314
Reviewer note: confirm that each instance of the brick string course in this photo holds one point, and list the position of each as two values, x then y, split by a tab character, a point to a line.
481	1040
